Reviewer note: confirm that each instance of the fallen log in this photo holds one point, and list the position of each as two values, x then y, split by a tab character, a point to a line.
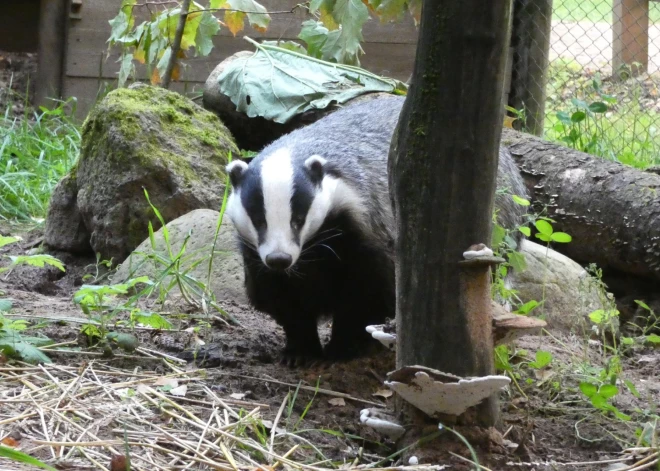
611	211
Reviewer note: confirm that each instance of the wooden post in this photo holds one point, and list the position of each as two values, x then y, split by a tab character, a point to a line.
630	41
52	34
530	41
442	172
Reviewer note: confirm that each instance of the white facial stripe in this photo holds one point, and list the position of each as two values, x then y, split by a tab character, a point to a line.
277	187
319	209
239	217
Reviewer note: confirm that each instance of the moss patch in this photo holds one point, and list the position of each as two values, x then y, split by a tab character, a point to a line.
146	125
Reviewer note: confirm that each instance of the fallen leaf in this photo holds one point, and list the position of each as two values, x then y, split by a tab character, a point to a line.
180	391
337	402
173	382
508	121
384	393
237	396
8	441
119	463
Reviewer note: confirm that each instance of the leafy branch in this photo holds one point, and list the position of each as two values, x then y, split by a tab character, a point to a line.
332	33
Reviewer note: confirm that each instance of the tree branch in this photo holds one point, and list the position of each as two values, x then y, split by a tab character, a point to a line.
176	45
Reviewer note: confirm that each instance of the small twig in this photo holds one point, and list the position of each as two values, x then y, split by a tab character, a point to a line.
327	392
176	44
277	421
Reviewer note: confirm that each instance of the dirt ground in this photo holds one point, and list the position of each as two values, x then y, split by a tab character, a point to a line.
17	75
539	415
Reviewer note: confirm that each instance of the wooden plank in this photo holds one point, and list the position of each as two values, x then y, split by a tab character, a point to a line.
630	30
19	25
394	60
52	37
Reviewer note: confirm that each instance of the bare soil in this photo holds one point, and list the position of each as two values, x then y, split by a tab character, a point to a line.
17	76
545	420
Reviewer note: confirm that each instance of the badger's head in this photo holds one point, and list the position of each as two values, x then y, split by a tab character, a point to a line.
278	206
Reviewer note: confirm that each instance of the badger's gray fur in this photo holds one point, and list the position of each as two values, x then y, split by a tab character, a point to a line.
315	223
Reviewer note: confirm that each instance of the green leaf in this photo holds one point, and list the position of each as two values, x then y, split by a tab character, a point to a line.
5	305
527	307
502	358
8	240
314	34
543	237
164	60
525	230
208	27
215	4
343	44
498	235
520	201
631	387
543	359
119	24
39	261
127	342
390	10
544	227
627	341
257	14
126	68
640	303
578	116
597	316
20	457
282	83
653	338
598	107
26	351
588	389
151	319
288	45
608	391
517	261
561	237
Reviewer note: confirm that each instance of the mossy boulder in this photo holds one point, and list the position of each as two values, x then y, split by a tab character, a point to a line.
140	138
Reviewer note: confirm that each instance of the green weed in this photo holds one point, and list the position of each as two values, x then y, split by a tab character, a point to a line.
36	151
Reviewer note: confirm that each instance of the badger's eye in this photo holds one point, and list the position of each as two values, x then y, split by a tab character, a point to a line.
297	222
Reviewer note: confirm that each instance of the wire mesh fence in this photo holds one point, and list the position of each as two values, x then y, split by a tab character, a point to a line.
587	73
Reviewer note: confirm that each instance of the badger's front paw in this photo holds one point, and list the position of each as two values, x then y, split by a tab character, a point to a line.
297	356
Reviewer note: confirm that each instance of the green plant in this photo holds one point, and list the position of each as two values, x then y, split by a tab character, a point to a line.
35	152
100	264
333	31
96	303
14	344
20	457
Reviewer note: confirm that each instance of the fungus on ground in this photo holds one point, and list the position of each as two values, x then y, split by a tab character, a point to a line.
381	422
434	392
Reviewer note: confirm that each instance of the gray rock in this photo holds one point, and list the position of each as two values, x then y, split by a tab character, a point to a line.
255	133
227	281
140	138
65	228
571	294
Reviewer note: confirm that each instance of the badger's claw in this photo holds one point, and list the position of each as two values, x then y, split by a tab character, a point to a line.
297	358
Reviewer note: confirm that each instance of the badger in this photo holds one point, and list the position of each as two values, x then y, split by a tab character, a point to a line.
315	227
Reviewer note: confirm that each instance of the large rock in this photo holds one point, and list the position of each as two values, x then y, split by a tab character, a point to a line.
255	133
227	279
135	138
571	294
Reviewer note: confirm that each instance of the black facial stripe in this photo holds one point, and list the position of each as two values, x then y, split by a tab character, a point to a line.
301	200
252	198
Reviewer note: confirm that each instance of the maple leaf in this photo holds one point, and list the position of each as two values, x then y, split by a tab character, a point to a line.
256	13
234	21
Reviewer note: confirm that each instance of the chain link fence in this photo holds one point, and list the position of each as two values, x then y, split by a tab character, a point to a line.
587	73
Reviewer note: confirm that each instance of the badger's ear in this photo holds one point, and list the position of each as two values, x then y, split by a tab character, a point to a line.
315	166
236	169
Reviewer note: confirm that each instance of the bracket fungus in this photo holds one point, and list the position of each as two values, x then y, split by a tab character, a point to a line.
436	393
381	422
386	338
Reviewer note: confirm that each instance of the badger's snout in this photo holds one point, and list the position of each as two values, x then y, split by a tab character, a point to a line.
279	260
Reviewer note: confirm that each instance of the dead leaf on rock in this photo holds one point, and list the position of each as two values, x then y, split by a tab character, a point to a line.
9	441
337	402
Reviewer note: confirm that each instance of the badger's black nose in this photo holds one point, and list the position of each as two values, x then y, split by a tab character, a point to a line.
279	260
